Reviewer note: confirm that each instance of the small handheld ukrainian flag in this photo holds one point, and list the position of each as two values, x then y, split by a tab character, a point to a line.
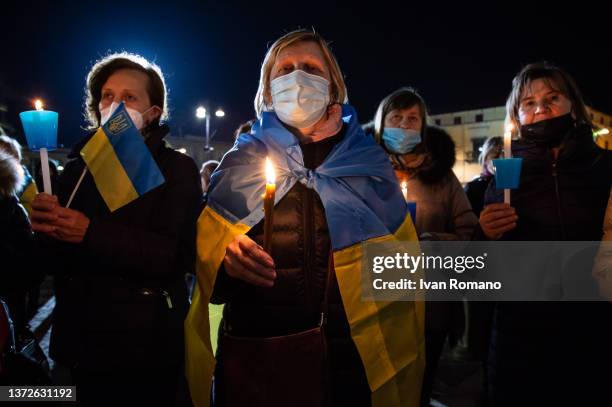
120	162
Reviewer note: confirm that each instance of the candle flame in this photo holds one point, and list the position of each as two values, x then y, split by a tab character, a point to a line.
509	128
270	174
38	104
404	185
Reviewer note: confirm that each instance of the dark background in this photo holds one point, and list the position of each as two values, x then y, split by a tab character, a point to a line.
459	56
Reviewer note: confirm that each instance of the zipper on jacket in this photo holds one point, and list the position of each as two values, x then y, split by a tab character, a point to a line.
558	196
308	226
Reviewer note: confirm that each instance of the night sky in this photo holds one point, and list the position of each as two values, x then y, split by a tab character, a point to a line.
459	56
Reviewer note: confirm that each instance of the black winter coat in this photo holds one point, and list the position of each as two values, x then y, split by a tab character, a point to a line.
475	191
121	296
301	249
16	247
555	349
19	271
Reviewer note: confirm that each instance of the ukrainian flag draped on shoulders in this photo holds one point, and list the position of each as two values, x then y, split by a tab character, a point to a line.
363	203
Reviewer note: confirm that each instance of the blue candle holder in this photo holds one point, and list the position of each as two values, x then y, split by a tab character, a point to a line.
507	172
40	127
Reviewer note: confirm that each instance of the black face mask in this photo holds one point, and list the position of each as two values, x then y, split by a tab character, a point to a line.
550	132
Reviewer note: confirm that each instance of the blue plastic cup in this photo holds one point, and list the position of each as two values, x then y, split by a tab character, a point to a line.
507	172
40	127
412	210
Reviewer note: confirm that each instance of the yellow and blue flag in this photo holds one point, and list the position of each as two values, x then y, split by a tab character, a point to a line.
28	191
120	162
363	203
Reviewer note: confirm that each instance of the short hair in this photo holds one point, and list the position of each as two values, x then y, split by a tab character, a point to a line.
338	87
492	145
556	78
11	146
105	67
402	98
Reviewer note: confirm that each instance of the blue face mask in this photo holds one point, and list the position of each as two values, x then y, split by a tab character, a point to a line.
401	141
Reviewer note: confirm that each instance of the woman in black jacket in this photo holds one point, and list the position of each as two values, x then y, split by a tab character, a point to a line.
285	299
119	276
16	241
550	353
326	183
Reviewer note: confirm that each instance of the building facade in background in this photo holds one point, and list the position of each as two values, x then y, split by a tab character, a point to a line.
469	129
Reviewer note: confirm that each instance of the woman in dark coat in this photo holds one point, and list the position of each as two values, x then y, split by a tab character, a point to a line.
335	190
551	353
16	241
119	275
423	158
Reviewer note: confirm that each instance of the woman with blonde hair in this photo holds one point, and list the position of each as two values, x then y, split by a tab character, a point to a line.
295	330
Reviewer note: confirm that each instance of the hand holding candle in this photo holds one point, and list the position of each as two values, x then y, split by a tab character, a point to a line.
269	205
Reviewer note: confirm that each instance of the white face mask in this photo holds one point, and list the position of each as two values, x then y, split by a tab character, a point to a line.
299	98
135	115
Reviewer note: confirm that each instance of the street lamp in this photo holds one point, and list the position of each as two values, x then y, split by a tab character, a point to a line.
202	113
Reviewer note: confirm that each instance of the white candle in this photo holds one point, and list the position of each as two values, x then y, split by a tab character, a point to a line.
44	157
405	190
508	141
507	154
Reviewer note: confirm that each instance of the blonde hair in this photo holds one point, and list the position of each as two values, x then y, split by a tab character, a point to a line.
338	92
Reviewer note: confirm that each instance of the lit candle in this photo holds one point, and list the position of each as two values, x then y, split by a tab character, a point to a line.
269	205
508	141
507	154
40	127
405	190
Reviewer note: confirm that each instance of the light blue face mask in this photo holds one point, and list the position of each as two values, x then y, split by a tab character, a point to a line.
401	141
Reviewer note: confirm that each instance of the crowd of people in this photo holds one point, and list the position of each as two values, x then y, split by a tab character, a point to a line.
128	325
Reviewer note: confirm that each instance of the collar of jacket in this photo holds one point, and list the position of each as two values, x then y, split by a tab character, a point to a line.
154	140
431	161
577	146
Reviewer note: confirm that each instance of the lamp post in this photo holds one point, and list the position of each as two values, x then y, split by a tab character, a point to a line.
202	113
